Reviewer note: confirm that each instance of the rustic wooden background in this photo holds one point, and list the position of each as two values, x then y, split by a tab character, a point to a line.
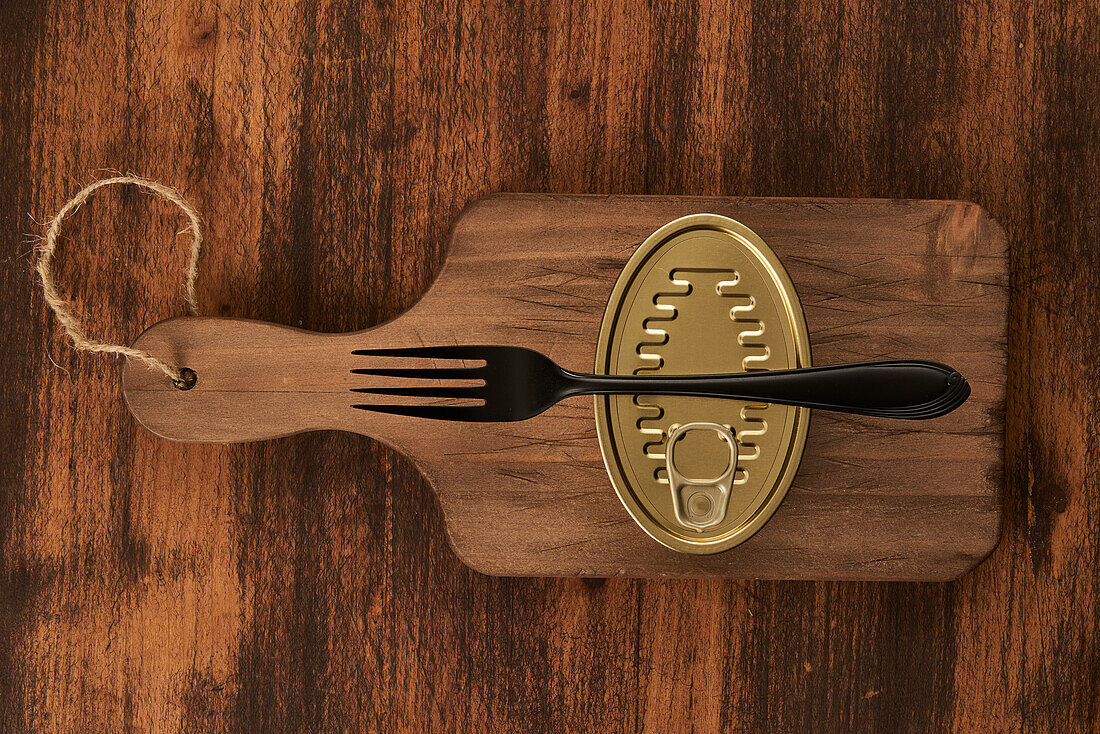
305	583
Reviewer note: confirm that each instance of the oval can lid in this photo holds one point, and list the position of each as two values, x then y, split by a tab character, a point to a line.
702	295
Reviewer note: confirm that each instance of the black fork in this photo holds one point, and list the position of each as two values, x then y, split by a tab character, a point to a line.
520	383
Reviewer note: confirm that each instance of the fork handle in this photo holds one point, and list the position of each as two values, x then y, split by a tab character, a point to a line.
908	388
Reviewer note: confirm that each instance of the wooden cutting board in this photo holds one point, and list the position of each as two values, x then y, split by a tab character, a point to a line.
873	498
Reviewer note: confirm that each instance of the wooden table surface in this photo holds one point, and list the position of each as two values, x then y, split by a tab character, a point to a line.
306	583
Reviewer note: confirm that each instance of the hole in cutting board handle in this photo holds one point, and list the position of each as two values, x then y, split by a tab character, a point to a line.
187	380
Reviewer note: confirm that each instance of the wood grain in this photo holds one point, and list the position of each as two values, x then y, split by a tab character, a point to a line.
873	499
305	583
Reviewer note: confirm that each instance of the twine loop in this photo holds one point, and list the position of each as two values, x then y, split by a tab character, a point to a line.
182	377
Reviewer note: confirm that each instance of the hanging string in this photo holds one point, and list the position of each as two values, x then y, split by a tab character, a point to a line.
181	377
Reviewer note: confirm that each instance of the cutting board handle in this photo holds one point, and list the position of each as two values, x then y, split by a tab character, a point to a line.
255	381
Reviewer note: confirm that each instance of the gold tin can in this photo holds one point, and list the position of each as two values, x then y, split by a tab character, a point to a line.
702	295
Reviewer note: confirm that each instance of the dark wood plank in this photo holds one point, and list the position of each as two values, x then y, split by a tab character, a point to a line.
303	583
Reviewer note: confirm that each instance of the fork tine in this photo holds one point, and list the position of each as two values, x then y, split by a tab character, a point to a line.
426	391
471	413
440	373
456	351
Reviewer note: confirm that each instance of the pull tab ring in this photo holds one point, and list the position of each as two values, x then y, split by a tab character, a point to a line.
700	503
